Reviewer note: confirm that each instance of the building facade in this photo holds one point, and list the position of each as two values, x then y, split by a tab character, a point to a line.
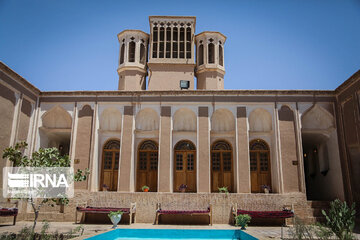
161	131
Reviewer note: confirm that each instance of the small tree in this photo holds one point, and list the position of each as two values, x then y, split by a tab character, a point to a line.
45	157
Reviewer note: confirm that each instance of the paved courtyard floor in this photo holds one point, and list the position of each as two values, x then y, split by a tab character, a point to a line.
94	229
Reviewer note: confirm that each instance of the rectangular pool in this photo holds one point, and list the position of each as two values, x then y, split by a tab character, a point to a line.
161	234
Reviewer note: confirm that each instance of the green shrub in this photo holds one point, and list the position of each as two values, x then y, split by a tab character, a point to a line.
27	233
300	231
242	220
341	219
115	213
224	190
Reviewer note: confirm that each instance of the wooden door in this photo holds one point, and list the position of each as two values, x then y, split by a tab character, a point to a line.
221	166
260	170
185	166
110	165
147	167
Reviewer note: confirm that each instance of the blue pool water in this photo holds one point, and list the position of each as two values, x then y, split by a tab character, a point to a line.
161	234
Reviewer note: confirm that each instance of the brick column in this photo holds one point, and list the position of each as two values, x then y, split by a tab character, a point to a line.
243	162
289	161
83	142
203	162
300	151
126	165
165	150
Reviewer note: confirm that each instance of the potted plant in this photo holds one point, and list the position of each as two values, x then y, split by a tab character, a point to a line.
145	188
105	187
242	220
266	189
182	188
224	190
115	217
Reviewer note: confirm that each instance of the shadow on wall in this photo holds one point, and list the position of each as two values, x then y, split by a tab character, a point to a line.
321	155
56	129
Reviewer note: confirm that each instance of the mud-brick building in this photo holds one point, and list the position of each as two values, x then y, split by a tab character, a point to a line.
171	123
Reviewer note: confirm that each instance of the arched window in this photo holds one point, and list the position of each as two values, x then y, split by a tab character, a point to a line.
112	145
259	165
221	57
182	43
147	167
142	53
59	121
201	55
211	53
131	51
122	53
161	42
110	165
155	42
175	42
188	42
168	42
221	166
185	166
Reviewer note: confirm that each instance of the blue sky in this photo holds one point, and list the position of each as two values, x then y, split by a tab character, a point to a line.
292	44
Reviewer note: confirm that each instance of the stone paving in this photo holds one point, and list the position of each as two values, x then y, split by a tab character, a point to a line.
94	229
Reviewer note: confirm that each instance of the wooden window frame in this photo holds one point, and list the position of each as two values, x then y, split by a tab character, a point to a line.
222	162
148	163
112	164
258	152
184	152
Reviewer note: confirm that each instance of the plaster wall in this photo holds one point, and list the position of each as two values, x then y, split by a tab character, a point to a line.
7	107
168	76
210	80
132	80
25	118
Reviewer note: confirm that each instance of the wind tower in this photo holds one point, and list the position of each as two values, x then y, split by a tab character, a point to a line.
210	69
132	62
171	56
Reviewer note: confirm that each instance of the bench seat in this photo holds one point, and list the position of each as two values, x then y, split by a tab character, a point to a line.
89	209
267	214
10	211
160	211
95	210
